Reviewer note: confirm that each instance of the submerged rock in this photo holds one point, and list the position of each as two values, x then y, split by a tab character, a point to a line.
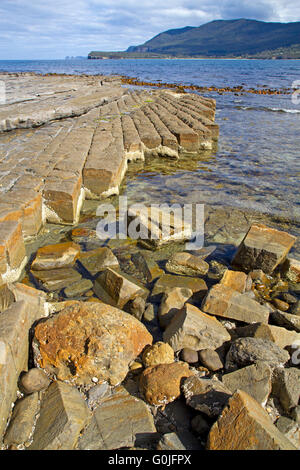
117	288
263	248
252	430
87	340
98	260
56	279
61	255
185	263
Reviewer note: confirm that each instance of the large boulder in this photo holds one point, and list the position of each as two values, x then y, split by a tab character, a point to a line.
252	429
191	328
263	248
86	340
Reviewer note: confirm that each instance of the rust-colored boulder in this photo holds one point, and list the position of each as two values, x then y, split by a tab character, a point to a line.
89	340
245	425
162	384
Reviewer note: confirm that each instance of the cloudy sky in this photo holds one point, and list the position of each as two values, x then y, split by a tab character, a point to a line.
50	29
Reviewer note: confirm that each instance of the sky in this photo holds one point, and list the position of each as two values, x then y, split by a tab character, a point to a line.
54	29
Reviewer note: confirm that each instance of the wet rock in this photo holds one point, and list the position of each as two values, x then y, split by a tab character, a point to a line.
280	336
63	416
236	280
216	270
189	355
259	275
87	340
263	248
161	384
223	301
199	425
286	387
290	429
34	380
182	441
295	310
281	305
254	380
22	422
117	288
210	359
206	395
121	420
173	300
156	226
78	288
56	279
291	270
169	281
187	264
193	329
287	320
136	307
246	351
158	353
98	260
148	268
252	430
62	255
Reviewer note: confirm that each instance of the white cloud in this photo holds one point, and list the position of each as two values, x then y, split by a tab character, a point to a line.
57	28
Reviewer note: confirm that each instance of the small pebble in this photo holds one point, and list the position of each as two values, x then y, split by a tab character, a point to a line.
189	355
34	380
210	359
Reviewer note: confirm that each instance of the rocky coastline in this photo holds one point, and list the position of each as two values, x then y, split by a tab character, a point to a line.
122	344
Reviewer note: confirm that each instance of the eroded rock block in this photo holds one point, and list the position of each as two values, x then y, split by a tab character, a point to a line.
63	416
187	264
252	430
191	328
173	300
223	301
22	422
12	250
121	420
254	379
236	280
61	255
98	260
56	279
263	248
117	288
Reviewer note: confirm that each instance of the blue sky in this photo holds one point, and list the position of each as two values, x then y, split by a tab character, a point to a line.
50	29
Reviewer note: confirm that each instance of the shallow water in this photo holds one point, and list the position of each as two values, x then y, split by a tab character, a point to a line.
256	163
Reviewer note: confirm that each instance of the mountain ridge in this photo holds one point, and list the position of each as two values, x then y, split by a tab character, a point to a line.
224	38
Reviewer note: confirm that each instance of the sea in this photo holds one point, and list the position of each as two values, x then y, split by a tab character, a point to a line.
256	165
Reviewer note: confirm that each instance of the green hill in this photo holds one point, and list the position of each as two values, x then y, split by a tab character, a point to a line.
226	38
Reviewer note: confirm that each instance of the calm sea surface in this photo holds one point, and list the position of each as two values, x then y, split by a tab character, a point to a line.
257	162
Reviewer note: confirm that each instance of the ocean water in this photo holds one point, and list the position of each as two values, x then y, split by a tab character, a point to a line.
256	165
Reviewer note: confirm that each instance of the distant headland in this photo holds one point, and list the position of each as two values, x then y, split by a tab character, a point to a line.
242	38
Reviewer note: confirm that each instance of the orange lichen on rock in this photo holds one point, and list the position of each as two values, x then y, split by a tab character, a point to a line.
87	340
